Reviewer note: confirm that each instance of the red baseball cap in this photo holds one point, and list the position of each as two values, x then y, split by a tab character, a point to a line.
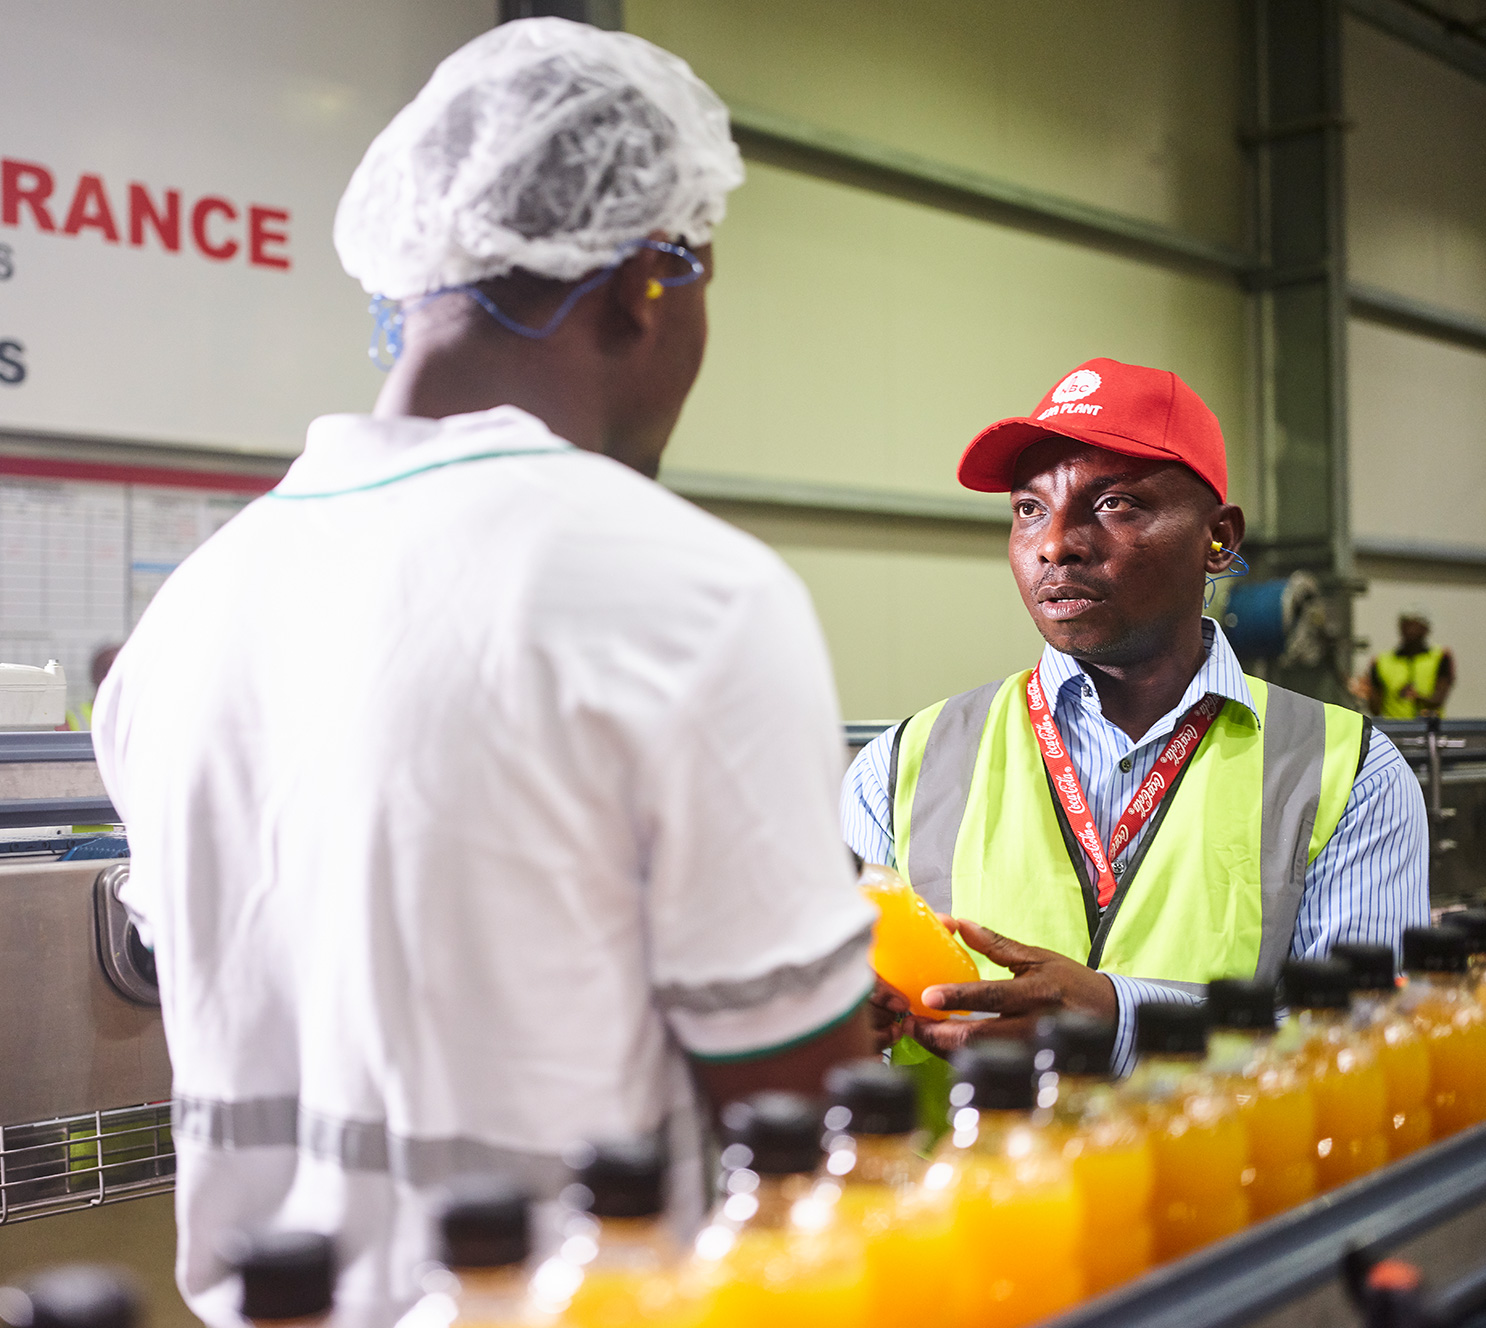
1119	407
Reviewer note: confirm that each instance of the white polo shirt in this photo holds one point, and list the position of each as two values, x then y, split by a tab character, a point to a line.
472	781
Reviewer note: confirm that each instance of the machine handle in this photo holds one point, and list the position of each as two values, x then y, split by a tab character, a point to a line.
127	962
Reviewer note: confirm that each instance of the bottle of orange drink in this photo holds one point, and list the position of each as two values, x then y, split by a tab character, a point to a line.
1018	1216
1402	1050
903	1216
1104	1143
1472	922
1273	1096
1346	1075
775	1250
911	948
617	1265
1442	1004
1197	1141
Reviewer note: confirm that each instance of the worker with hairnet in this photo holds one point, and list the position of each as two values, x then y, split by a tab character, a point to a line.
480	790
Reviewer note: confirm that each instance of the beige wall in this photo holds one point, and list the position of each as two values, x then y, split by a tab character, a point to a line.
861	340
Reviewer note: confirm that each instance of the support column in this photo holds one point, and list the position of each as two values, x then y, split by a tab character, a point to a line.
601	13
1301	297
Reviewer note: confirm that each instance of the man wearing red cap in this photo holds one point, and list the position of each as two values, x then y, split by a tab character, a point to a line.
1135	816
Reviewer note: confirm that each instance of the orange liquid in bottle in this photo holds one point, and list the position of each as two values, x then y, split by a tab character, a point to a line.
911	949
1442	1001
1115	1173
1200	1154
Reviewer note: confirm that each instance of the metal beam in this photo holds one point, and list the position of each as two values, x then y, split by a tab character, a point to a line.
601	13
1438	36
783	140
707	487
1296	152
1401	311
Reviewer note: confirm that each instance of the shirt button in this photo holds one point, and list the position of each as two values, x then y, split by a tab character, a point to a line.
1118	869
1088	691
1127	765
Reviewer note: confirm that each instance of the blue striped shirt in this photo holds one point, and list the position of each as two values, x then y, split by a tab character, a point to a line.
1368	883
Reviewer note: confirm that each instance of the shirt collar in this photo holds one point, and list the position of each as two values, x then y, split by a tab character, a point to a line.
1220	675
344	453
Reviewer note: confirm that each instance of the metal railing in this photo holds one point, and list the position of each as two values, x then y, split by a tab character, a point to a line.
79	1162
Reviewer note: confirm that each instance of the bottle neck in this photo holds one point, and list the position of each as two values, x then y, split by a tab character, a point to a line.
874	1159
1230	1050
1440	982
1077	1093
769	1203
507	1280
1159	1075
986	1130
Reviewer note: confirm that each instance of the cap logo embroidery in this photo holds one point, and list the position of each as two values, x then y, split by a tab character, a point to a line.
1080	383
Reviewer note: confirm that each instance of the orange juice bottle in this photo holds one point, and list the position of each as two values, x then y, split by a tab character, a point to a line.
1197	1140
1402	1050
775	1250
287	1277
484	1229
1104	1143
904	1220
1472	922
1437	961
911	948
617	1265
1273	1096
1017	1212
1345	1073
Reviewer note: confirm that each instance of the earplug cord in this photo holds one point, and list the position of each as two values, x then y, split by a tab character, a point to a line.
1229	575
389	314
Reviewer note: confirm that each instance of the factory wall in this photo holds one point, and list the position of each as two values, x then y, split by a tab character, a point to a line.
860	339
1416	220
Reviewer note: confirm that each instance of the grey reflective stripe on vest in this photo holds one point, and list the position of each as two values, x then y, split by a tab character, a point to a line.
942	790
280	1122
1294	752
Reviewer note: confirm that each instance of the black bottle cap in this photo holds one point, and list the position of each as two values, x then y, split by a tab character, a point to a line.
1166	1028
995	1076
1317	984
1241	1003
780	1132
869	1097
285	1274
1435	950
73	1296
1371	966
624	1178
1073	1043
1470	921
484	1222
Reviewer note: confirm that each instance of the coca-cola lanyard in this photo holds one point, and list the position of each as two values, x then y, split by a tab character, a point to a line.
1070	792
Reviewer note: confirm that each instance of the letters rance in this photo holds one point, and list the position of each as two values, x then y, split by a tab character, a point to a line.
215	227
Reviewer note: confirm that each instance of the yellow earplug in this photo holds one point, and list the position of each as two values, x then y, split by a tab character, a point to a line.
654	290
1217	548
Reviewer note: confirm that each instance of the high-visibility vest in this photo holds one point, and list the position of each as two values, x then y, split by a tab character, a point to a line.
1395	672
1211	890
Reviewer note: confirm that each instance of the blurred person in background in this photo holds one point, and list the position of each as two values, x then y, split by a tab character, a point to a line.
80	716
554	838
1413	680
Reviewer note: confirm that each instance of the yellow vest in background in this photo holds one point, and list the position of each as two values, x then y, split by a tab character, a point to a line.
1211	890
1395	672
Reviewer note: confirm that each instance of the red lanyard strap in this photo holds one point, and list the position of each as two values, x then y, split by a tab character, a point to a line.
1070	793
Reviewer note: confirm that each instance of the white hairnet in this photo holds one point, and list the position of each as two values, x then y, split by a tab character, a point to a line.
544	145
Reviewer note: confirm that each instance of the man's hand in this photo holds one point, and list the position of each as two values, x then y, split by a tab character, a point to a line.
1042	982
887	1006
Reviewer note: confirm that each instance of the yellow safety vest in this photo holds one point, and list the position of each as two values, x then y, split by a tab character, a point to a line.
1213	887
1395	672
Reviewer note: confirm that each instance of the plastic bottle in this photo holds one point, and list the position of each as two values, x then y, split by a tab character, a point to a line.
911	948
1104	1143
484	1232
618	1266
288	1277
775	1249
1440	999
72	1296
905	1222
1402	1051
1273	1096
1197	1141
1472	922
1345	1074
1018	1216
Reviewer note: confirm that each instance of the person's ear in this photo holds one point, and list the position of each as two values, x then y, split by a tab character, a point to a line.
636	295
1225	537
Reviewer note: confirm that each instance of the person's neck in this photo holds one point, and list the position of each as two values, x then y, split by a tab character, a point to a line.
1134	696
439	376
